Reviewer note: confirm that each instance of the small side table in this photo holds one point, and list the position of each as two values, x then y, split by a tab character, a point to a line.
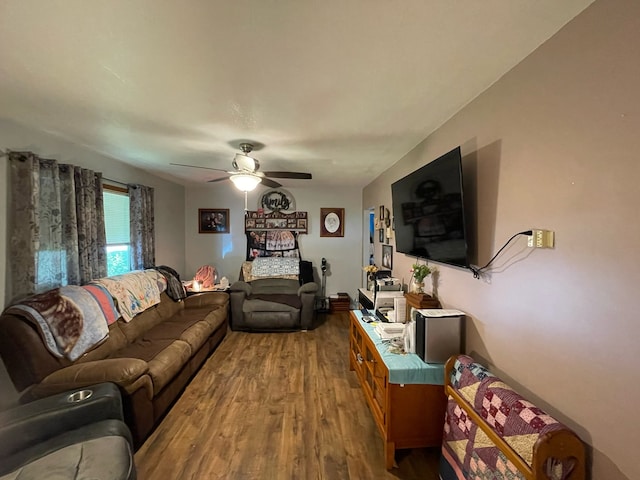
207	290
339	303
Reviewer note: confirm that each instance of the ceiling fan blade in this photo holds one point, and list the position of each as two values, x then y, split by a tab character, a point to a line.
270	183
298	175
197	166
218	179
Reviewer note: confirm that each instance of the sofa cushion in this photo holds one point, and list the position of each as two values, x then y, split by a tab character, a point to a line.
166	365
274	285
167	309
165	357
140	324
260	305
216	318
189	327
101	449
273	321
196	335
151	343
105	458
114	342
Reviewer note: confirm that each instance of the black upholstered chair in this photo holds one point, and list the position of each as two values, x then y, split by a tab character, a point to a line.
79	434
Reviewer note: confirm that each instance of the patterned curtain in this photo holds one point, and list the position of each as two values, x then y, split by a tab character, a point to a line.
56	225
142	221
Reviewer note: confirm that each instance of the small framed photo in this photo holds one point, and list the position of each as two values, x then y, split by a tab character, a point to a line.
387	256
213	220
381	213
332	222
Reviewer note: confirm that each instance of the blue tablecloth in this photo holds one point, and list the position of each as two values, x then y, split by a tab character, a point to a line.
403	368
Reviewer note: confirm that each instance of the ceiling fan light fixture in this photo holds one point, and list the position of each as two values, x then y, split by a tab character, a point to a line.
245	182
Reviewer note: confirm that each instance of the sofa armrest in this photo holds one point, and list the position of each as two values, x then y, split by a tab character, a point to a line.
241	286
122	371
310	287
236	299
307	312
35	422
206	299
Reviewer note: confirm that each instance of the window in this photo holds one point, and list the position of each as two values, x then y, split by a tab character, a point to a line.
116	222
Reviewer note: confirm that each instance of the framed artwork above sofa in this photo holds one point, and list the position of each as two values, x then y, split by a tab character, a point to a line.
213	220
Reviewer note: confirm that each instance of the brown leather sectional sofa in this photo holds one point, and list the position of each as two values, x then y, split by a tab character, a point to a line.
151	358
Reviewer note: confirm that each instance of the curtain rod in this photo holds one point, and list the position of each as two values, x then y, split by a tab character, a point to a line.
4	153
116	181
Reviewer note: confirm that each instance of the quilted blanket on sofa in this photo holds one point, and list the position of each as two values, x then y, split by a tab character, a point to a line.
134	292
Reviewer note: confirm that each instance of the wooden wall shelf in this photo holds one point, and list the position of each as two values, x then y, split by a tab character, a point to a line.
276	221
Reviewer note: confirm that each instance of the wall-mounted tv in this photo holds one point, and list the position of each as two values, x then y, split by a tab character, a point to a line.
428	211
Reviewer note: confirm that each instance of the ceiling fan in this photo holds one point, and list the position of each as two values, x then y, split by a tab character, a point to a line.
246	175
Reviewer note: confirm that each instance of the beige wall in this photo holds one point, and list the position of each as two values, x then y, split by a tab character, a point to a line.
227	251
554	144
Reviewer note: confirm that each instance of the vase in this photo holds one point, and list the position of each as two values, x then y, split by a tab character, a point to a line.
416	286
371	281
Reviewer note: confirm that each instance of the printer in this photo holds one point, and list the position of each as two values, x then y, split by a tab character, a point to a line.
384	299
388	284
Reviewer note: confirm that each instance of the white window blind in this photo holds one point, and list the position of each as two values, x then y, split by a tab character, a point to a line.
116	221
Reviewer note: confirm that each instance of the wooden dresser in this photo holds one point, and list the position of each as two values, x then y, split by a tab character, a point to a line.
408	415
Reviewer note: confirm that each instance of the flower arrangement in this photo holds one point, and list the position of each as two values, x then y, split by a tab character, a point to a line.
370	269
420	272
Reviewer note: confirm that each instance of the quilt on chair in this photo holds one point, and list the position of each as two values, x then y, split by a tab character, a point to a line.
467	452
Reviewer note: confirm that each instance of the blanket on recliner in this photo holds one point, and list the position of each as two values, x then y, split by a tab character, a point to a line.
283	298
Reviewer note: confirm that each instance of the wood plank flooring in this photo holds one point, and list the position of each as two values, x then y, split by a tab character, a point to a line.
276	406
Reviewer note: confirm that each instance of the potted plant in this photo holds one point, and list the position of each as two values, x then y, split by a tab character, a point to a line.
418	274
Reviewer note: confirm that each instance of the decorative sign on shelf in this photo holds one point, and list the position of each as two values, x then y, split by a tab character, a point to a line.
277	200
259	220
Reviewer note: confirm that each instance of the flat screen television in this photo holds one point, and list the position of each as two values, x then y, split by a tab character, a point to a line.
428	211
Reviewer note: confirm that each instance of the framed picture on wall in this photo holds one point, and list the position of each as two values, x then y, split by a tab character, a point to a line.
387	256
213	220
332	222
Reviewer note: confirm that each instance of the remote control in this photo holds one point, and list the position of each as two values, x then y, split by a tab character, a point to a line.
364	311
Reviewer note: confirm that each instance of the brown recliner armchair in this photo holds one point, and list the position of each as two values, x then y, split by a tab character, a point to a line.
272	304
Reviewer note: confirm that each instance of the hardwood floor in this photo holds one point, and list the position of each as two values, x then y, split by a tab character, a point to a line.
276	406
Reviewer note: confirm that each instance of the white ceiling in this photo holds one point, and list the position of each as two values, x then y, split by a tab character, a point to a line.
338	88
